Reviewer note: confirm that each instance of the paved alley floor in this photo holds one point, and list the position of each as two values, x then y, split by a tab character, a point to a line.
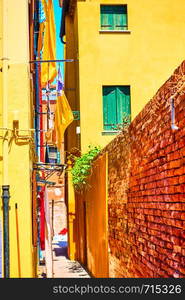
65	268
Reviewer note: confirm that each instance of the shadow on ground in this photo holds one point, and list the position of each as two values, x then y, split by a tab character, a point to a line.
75	267
63	266
62	251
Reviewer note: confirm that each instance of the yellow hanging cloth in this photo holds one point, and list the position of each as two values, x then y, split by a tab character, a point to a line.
63	117
48	70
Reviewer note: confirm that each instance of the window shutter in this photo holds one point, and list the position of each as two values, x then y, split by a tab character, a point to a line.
106	17
116	105
123	102
109	107
120	17
113	17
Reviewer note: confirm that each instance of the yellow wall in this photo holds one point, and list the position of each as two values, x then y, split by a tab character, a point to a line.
143	58
1	215
15	41
72	80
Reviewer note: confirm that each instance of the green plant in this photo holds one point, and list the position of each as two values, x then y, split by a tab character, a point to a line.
82	167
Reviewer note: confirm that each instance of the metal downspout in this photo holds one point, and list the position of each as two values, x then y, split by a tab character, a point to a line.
37	116
5	198
36	69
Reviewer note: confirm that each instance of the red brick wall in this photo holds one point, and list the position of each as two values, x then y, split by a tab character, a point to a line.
146	195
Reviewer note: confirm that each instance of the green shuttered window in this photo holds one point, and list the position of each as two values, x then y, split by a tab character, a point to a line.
113	17
116	105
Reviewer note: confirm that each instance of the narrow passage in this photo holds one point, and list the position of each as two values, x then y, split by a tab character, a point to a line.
63	267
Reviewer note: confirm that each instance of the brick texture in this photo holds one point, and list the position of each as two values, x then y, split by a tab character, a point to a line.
146	190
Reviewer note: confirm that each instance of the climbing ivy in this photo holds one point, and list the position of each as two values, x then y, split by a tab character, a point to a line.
82	167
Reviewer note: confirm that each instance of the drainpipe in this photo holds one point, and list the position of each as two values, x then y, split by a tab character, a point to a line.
5	198
5	187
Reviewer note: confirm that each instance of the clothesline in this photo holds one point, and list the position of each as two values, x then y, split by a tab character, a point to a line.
47	61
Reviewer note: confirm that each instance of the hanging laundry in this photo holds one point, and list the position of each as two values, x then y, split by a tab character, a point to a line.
63	118
51	121
63	113
48	70
42	219
60	84
63	231
50	137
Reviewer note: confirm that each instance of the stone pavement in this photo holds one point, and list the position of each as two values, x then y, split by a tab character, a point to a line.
65	268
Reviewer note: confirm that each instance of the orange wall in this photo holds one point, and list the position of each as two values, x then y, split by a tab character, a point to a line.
96	219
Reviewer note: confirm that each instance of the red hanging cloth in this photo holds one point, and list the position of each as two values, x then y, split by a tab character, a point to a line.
42	220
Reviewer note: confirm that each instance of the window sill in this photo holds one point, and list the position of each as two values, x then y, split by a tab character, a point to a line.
114	31
110	132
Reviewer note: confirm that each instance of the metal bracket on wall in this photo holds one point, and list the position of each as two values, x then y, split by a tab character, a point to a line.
76	114
173	125
49	169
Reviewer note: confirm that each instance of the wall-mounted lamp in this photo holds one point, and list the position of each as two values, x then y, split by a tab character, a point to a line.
17	130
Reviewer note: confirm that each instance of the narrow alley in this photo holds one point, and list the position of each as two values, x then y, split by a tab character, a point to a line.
61	266
64	267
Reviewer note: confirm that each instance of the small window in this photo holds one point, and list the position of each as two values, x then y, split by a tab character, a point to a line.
113	17
116	107
52	155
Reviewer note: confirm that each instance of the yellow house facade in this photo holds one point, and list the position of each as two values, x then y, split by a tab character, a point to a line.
138	52
16	137
123	52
